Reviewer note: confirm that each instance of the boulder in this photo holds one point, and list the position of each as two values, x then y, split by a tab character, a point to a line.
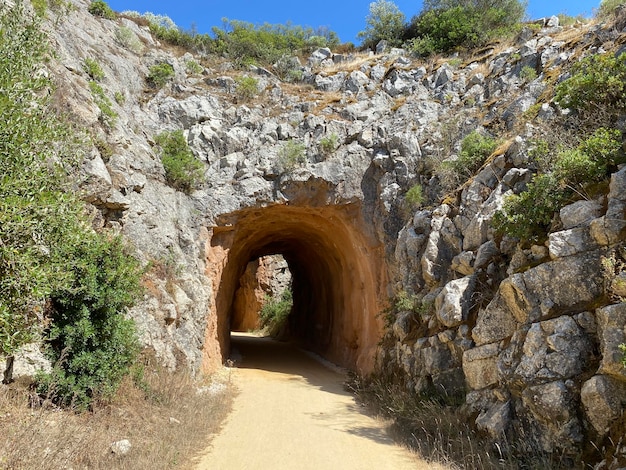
479	366
453	303
604	398
555	349
611	333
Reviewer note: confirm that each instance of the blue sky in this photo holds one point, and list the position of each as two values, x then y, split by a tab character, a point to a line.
345	17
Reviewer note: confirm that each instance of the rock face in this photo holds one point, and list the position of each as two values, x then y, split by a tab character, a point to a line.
266	277
528	333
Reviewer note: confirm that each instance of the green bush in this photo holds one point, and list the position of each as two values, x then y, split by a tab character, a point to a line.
528	215
291	155
40	7
160	74
275	312
102	9
414	198
57	276
444	25
527	74
90	342
107	115
607	7
245	43
127	38
596	89
193	67
591	159
246	88
182	170
119	98
328	144
385	22
93	69
475	148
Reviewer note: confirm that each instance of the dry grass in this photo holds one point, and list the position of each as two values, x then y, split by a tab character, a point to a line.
355	63
439	432
166	419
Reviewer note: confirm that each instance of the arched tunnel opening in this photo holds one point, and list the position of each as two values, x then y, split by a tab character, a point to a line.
338	278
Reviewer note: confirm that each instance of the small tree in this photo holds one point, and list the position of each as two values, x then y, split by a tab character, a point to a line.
384	22
448	24
182	170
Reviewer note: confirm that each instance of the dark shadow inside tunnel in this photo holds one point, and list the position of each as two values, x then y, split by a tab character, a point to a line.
336	275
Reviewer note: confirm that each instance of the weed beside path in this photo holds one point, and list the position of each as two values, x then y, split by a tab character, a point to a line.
167	418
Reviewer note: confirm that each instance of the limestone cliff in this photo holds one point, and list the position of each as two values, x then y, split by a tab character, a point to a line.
529	332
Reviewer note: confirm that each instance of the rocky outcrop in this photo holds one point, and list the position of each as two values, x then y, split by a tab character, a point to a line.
265	278
527	333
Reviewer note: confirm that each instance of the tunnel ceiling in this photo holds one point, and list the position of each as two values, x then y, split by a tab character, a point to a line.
338	273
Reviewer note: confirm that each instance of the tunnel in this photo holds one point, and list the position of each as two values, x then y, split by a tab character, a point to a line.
338	278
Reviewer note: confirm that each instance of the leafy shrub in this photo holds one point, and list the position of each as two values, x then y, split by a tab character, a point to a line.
421	46
527	74
414	198
193	67
93	69
119	98
40	7
448	28
56	273
444	25
127	38
291	155
246	88
475	148
328	144
164	29
607	7
596	88
182	170
31	198
160	74
107	115
90	341
245	43
528	215
591	159
575	167
275	312
102	9
385	21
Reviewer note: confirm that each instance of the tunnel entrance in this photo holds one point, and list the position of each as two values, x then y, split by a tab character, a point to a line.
338	278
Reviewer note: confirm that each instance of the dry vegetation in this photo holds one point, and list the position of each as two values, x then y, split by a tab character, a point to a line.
439	431
168	418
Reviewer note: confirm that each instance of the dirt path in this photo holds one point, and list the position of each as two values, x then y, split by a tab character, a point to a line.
292	413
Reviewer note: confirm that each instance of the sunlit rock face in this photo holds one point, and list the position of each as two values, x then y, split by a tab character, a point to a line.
264	278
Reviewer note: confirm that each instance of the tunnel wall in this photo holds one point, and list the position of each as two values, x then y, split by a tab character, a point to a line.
339	275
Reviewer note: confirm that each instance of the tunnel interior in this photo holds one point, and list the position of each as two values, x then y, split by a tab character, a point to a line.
337	273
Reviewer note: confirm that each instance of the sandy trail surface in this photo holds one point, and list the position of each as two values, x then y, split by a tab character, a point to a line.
292	413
